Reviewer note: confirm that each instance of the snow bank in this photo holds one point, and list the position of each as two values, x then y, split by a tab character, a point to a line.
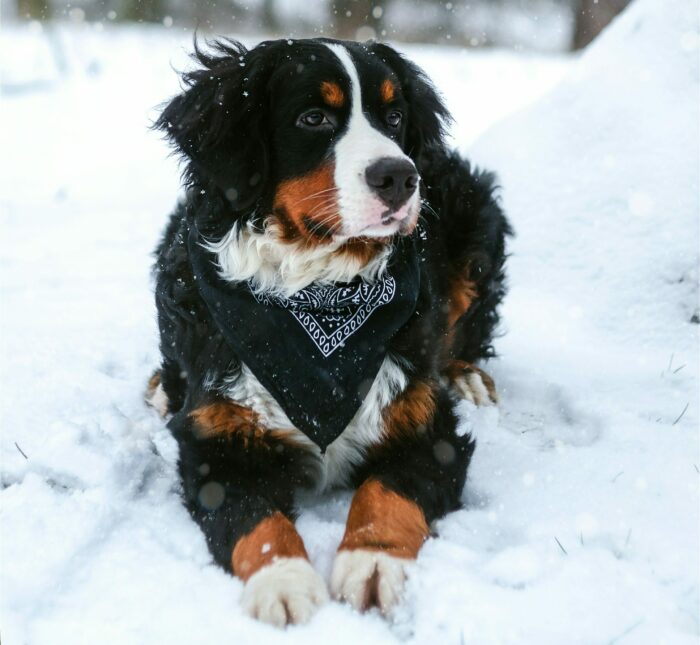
581	523
598	441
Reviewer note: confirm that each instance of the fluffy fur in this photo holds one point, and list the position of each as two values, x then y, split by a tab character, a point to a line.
272	266
286	591
367	578
303	163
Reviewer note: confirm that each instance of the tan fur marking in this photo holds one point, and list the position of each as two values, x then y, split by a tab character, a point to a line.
332	94
362	249
412	410
382	520
155	395
456	369
225	418
387	91
462	294
275	537
153	384
307	206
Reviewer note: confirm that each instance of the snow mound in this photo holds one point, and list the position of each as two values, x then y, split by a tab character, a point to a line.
601	177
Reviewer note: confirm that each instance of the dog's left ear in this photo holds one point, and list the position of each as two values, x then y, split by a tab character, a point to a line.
218	123
428	117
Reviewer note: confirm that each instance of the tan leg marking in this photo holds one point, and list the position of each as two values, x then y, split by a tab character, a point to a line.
462	293
281	586
412	410
383	520
383	535
275	537
225	418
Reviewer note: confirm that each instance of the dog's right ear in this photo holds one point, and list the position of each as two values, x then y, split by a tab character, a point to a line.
218	122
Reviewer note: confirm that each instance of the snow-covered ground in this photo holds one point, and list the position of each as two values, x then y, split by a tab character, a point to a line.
581	518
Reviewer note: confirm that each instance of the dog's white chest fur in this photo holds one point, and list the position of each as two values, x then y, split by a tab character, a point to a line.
365	429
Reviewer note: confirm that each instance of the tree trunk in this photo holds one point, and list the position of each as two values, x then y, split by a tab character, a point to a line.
34	9
269	16
142	10
350	15
591	17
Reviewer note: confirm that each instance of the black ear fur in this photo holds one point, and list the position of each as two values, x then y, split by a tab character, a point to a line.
428	117
218	122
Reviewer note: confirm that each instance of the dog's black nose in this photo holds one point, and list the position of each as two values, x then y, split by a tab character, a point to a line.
393	180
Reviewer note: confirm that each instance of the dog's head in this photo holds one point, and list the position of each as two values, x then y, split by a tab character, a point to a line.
323	137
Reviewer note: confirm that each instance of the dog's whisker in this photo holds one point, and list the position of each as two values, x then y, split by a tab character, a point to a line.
424	203
325	215
326	234
322	205
321	211
312	195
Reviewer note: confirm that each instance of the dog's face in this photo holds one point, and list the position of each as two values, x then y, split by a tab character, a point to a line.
322	137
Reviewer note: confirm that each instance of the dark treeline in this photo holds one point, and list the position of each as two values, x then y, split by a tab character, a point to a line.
458	22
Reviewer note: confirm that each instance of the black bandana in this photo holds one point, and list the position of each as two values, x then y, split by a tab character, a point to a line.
318	351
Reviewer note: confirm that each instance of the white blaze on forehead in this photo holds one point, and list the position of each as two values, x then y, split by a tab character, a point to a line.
355	87
358	148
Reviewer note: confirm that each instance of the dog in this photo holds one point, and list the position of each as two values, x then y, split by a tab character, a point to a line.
324	292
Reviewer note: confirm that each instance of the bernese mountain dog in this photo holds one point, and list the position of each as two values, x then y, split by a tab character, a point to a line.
324	292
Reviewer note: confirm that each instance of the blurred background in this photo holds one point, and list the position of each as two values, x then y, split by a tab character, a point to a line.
538	25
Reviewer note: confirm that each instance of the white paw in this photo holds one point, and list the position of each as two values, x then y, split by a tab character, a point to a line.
158	399
472	388
368	579
287	591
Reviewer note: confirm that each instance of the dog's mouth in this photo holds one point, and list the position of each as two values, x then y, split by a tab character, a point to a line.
403	225
390	222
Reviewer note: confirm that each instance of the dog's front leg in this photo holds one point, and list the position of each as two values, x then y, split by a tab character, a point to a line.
281	586
238	480
414	476
383	534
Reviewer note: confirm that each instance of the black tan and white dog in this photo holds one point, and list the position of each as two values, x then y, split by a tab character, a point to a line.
323	293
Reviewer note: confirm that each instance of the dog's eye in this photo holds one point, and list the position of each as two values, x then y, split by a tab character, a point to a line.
313	119
393	119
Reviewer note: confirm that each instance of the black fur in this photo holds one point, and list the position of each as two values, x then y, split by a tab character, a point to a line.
230	125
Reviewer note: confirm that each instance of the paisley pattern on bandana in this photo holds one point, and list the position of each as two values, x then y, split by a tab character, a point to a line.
331	314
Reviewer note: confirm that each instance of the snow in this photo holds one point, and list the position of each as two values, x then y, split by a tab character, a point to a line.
581	518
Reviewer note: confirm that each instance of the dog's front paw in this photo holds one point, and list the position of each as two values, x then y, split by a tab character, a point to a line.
286	591
367	579
471	383
155	395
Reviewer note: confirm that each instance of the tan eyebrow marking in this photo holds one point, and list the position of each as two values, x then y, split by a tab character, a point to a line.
387	91
332	94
